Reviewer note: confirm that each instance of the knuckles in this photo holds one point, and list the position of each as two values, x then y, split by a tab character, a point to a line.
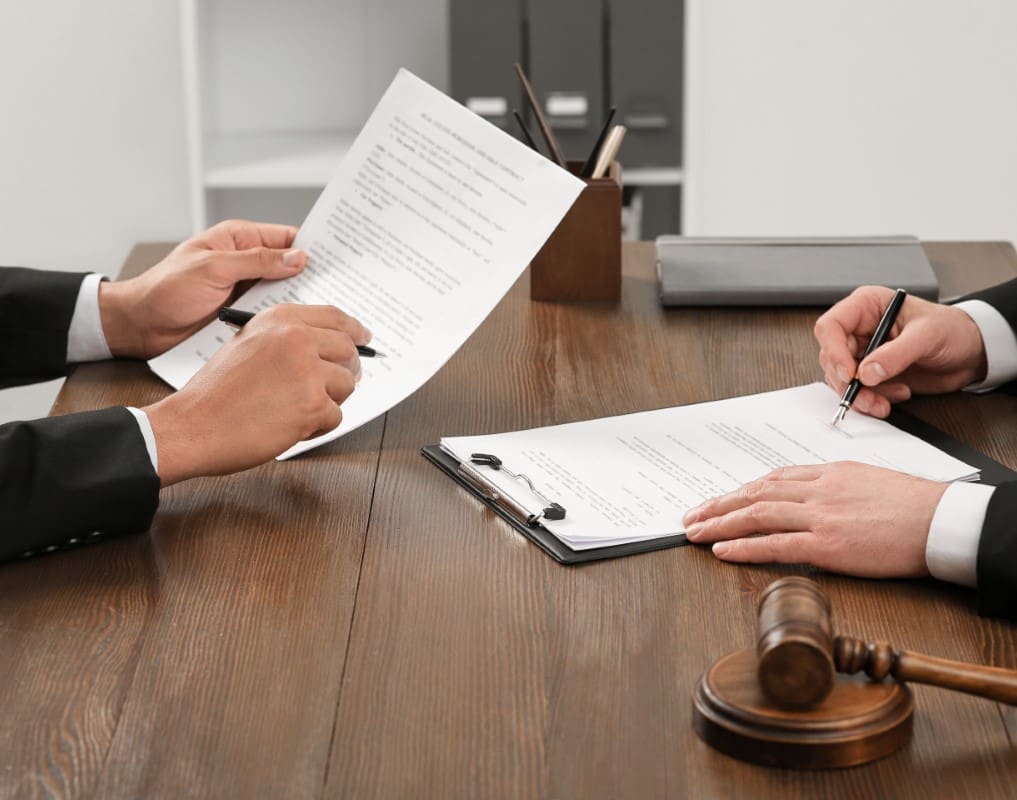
753	492
286	338
344	386
755	514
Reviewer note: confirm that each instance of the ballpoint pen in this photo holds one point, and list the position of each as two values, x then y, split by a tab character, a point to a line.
236	318
525	130
882	330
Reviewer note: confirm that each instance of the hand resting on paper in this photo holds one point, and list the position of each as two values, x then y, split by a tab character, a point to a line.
279	381
844	517
145	316
932	349
850	517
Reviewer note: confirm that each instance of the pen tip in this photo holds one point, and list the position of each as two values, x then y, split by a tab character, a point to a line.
839	416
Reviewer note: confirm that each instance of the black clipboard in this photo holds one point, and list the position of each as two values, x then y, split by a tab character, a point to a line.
992	473
536	532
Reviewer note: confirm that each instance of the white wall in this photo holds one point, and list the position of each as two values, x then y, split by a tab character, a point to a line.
312	65
92	146
857	117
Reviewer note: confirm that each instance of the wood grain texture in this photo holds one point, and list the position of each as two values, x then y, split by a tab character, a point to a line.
478	667
202	658
351	623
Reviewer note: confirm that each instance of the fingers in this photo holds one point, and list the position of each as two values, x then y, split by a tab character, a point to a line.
336	347
232	266
839	329
895	356
777	548
328	420
778	486
759	517
339	383
329	318
247	235
330	333
874	401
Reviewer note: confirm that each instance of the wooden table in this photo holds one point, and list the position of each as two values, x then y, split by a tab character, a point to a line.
352	624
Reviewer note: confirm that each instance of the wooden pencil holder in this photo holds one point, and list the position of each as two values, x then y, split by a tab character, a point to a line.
582	258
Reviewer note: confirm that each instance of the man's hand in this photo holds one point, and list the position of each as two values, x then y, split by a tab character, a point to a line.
843	517
279	381
933	349
147	315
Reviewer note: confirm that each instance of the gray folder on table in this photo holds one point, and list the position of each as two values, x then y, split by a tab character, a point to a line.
746	271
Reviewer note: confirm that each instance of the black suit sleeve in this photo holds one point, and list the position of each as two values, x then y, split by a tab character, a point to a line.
997	555
1004	299
997	546
35	314
64	478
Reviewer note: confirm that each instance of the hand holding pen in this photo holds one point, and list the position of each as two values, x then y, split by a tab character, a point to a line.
281	382
236	319
936	349
882	330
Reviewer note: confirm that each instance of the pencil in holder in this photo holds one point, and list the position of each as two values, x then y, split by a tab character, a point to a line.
582	258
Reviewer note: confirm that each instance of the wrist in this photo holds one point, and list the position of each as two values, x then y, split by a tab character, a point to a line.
178	444
118	326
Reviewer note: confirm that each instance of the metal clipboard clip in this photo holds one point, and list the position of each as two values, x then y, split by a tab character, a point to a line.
552	511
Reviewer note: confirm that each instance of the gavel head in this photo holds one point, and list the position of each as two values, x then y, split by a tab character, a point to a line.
795	646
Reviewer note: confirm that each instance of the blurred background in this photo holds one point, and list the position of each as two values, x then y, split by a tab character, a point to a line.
126	121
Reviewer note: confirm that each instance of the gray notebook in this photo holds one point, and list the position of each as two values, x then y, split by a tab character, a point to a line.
754	271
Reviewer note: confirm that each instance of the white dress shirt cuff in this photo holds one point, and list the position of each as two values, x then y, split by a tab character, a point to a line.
148	434
951	552
85	338
1000	344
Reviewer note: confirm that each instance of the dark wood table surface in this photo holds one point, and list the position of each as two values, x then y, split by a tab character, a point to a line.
353	624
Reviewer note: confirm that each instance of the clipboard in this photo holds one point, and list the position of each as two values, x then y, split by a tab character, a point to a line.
536	532
991	472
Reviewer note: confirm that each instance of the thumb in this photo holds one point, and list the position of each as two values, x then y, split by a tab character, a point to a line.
894	357
261	262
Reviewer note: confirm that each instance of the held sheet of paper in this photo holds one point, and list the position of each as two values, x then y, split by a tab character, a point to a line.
431	217
633	477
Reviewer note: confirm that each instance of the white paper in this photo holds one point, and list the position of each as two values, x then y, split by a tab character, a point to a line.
429	220
633	477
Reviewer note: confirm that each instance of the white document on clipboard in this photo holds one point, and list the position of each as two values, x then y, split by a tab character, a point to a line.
631	478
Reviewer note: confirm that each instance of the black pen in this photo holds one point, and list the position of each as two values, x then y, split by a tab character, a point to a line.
587	170
525	130
882	330
236	318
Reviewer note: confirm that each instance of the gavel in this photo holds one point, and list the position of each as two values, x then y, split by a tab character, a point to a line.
798	654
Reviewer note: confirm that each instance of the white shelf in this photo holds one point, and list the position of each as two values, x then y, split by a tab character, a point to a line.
277	160
651	176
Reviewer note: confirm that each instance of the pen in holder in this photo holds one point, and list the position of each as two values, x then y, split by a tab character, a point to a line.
582	258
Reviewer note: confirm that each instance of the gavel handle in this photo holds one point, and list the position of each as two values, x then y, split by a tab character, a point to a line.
851	655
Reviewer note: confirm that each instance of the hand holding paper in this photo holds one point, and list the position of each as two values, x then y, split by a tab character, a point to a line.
429	220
